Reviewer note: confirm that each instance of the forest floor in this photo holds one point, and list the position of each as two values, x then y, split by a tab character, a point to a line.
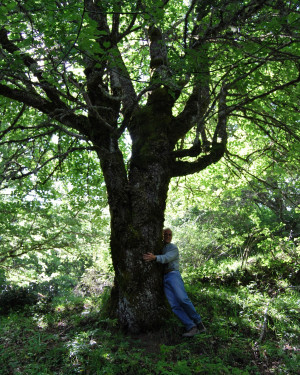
251	315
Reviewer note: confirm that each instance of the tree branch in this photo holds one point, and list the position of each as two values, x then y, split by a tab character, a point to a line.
63	115
130	29
185	32
61	156
236	18
221	130
183	168
193	112
33	66
15	121
264	94
193	151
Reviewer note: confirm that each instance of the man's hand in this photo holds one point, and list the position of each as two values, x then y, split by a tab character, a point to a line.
149	257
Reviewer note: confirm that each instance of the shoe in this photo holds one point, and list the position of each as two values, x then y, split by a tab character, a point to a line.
201	327
192	332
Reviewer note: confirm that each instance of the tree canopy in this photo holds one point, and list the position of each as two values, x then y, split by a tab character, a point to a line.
64	63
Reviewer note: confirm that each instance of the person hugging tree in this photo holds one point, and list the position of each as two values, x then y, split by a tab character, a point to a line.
174	288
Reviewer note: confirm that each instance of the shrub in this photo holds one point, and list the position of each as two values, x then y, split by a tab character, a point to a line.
15	298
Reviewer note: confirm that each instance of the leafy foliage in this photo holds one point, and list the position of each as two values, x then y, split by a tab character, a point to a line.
239	58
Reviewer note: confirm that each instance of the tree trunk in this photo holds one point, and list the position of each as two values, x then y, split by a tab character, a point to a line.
137	203
137	296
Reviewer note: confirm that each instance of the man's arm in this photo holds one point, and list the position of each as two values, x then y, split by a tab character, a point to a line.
165	258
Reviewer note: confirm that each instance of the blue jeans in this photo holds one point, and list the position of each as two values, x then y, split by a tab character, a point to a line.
179	301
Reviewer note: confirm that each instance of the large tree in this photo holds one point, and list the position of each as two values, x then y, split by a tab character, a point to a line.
179	79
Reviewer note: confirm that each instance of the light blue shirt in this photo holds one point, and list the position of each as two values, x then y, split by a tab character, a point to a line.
169	257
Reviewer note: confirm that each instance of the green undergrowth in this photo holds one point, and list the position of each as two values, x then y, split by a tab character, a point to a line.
252	328
264	272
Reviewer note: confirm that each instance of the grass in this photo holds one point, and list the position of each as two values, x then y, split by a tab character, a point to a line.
253	328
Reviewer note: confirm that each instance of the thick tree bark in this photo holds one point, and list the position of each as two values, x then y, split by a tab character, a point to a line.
137	297
137	214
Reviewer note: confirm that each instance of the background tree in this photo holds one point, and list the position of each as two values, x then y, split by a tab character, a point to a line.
181	80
